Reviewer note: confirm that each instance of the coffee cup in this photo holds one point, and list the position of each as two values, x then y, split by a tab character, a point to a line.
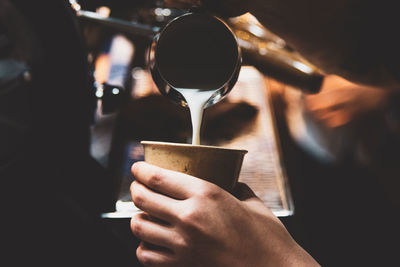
218	165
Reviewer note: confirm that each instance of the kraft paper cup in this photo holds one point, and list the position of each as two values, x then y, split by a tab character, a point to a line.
218	165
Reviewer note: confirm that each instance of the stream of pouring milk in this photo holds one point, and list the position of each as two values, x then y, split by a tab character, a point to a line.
196	101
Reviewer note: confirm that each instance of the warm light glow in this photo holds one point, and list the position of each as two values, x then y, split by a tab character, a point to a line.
102	67
256	30
303	67
75	6
263	51
103	11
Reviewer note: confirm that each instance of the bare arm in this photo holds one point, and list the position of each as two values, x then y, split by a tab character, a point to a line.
354	39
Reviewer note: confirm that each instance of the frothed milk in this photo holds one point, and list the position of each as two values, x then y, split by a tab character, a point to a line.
196	101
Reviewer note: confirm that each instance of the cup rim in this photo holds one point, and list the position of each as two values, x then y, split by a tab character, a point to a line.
243	151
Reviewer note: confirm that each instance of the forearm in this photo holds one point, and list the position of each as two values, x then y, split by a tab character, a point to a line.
340	37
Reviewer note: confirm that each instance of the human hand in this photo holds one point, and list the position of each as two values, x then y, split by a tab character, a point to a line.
341	102
332	124
187	221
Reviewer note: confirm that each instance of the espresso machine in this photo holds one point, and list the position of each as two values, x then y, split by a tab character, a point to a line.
107	56
130	108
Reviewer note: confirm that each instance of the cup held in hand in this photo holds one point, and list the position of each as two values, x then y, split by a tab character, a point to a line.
218	165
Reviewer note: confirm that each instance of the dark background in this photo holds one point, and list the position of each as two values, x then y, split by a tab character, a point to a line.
52	191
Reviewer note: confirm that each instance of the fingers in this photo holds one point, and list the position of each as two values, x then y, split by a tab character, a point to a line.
173	184
152	231
155	204
149	255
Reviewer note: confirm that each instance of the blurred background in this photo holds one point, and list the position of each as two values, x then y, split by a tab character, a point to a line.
74	79
335	151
